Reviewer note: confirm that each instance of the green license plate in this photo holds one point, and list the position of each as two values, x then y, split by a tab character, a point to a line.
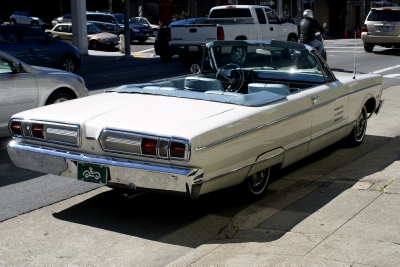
92	173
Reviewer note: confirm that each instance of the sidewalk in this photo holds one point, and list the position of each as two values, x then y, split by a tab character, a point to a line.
350	217
331	221
95	57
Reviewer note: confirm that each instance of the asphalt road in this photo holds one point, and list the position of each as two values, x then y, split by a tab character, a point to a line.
156	228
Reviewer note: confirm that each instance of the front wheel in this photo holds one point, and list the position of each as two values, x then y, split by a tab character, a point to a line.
357	135
58	98
94	45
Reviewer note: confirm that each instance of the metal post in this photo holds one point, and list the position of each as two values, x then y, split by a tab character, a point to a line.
127	31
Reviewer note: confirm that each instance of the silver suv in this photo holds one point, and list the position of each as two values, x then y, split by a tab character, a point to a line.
382	27
23	17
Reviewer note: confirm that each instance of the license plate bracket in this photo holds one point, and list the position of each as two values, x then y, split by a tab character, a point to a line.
93	173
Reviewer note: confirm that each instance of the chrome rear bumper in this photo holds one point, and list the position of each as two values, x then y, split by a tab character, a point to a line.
123	173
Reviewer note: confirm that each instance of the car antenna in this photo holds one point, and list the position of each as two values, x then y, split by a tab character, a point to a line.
355	46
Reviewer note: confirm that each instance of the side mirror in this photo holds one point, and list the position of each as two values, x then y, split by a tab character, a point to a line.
195	68
16	67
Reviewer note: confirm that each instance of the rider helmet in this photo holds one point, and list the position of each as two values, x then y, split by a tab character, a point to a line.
308	13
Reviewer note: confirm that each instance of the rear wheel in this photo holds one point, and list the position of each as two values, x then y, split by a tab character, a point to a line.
256	184
368	48
356	137
165	57
67	64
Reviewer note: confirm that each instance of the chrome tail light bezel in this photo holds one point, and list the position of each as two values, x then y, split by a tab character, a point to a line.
64	130
120	138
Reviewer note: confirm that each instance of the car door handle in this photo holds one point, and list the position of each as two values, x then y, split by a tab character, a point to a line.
271	28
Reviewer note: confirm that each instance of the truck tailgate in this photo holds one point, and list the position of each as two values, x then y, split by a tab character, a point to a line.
193	34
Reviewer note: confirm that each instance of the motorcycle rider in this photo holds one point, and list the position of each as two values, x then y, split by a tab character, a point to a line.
308	27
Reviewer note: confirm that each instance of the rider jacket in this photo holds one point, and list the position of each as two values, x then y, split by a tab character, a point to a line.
308	28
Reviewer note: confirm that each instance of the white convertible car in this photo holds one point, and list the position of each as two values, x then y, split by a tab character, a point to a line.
24	87
226	125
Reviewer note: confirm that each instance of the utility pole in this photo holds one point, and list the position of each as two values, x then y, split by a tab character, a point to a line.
127	31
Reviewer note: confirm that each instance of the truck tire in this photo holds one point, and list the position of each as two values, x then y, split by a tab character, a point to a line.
238	55
165	57
368	48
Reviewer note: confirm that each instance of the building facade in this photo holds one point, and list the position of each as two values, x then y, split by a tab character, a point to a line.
340	15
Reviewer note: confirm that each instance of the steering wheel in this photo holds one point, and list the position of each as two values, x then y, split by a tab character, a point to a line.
233	83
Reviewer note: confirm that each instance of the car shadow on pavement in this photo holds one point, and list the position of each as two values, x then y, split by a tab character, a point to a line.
391	52
216	217
9	173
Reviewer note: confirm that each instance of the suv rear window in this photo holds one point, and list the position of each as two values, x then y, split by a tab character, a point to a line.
384	15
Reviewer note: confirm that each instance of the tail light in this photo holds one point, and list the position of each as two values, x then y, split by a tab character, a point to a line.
364	28
37	130
220	33
149	146
52	132
178	149
16	127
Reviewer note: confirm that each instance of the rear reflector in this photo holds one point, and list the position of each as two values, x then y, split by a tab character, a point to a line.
16	127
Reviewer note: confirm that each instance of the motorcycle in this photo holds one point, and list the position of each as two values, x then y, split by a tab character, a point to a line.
320	37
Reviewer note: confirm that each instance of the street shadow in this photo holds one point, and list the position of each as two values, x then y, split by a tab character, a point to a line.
9	173
191	223
389	52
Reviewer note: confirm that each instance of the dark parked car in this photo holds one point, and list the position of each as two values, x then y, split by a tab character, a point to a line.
114	23
37	48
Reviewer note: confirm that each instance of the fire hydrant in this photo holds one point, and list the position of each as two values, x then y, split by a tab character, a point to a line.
122	43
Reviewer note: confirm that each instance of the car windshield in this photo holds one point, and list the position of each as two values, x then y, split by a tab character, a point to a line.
266	56
119	18
384	15
92	29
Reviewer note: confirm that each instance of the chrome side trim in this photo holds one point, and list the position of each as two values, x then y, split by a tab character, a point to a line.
276	121
251	130
230	172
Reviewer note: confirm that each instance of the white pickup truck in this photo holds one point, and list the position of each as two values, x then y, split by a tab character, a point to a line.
235	22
